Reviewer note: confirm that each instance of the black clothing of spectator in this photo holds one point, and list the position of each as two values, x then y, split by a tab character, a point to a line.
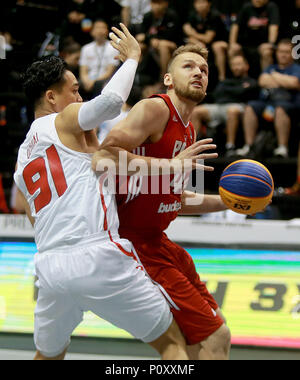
228	7
108	10
72	26
182	8
73	5
29	21
254	22
147	72
165	28
236	90
213	22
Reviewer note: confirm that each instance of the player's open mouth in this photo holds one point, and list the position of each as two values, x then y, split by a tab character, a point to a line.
197	84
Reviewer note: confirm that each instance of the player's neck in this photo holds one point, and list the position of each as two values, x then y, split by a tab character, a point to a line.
42	111
183	106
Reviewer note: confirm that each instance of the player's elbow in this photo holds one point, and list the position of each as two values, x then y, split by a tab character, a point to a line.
107	106
104	159
114	106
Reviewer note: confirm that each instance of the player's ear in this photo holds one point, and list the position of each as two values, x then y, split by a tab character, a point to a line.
168	81
50	97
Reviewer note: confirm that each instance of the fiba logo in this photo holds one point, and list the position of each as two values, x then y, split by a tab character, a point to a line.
2	47
296	49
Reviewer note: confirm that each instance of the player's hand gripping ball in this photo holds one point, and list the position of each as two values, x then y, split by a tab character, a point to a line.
246	187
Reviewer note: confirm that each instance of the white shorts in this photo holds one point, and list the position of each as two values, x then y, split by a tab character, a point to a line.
218	112
102	277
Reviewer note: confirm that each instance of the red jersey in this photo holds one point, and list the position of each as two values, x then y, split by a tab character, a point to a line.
150	214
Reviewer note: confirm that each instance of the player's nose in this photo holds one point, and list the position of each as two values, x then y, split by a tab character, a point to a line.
198	72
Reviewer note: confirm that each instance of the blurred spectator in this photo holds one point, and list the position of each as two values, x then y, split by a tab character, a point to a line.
182	8
29	21
160	30
133	12
228	7
204	26
8	42
230	97
16	56
77	23
279	100
256	31
70	52
97	62
295	190
108	10
146	81
228	10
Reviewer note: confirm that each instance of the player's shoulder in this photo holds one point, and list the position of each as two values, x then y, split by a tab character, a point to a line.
153	108
155	103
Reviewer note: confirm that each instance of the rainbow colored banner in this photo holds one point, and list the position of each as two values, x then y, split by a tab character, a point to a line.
258	292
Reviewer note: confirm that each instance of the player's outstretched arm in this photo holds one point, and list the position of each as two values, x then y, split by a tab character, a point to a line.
197	204
80	117
147	118
138	127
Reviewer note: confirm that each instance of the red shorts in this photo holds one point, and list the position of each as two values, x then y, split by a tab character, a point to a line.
173	269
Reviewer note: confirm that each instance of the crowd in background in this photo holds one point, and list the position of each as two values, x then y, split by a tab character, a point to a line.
253	98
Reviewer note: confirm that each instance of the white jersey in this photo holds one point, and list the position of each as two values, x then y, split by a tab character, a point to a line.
65	195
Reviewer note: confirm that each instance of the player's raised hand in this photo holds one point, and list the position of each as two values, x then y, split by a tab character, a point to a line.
196	152
125	43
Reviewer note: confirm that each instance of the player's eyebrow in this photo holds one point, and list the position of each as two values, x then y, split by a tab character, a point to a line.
195	63
75	84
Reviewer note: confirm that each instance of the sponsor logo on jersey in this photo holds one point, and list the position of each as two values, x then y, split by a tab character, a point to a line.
179	147
32	144
173	207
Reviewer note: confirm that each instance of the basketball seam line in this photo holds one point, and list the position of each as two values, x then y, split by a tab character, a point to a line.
247	176
250	162
245	196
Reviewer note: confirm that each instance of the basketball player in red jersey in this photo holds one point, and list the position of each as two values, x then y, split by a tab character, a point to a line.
159	127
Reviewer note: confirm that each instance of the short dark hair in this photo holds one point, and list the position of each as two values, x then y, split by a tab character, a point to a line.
70	48
100	20
41	76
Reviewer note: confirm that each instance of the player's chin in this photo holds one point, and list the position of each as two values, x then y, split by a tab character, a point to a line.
196	94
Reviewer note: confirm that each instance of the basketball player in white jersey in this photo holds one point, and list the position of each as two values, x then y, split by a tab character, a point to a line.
82	264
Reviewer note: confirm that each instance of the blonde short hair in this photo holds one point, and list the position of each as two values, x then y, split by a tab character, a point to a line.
189	48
